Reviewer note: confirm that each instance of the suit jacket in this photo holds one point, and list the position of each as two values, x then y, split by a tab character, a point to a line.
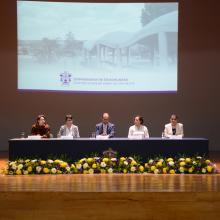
168	130
74	130
110	129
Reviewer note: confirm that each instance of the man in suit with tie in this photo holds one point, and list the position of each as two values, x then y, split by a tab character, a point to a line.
105	128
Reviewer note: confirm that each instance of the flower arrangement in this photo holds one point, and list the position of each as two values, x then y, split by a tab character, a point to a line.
91	165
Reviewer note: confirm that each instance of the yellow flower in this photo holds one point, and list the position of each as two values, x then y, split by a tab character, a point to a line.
164	170
141	168
182	163
181	169
188	160
29	169
172	171
209	169
85	171
56	161
159	164
63	164
146	165
59	172
94	166
82	160
133	163
43	162
73	166
170	159
27	161
5	172
90	171
89	160
125	171
152	168
122	158
105	159
18	172
46	170
190	170
207	161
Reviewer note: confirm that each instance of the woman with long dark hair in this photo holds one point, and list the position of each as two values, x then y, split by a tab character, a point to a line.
40	127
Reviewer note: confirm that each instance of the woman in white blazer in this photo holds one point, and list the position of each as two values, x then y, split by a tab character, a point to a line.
138	127
69	129
173	128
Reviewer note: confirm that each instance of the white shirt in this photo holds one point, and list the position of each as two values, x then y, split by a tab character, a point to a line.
134	129
69	131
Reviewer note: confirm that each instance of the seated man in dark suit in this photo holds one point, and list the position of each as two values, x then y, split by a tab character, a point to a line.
105	128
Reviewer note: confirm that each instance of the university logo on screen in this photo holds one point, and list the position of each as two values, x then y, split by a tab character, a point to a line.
65	78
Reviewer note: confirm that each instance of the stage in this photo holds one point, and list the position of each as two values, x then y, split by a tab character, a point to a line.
110	196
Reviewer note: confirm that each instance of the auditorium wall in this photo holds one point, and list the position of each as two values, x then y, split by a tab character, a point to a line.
196	102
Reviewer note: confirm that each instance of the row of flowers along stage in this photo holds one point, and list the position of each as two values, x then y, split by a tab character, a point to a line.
109	165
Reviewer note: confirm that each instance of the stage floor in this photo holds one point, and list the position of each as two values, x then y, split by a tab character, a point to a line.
110	196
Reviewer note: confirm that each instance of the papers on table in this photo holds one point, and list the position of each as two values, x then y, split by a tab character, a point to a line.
102	137
34	137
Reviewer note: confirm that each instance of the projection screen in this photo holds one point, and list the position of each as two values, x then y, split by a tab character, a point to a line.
97	47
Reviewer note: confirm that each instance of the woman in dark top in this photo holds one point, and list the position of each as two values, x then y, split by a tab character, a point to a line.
41	127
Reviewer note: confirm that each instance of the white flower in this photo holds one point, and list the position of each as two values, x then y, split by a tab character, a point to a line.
194	163
150	161
125	163
182	159
53	170
50	161
203	170
133	169
198	157
12	163
25	172
38	169
20	166
33	161
85	165
103	164
110	170
114	159
171	163
78	166
68	169
91	171
14	167
181	169
156	171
